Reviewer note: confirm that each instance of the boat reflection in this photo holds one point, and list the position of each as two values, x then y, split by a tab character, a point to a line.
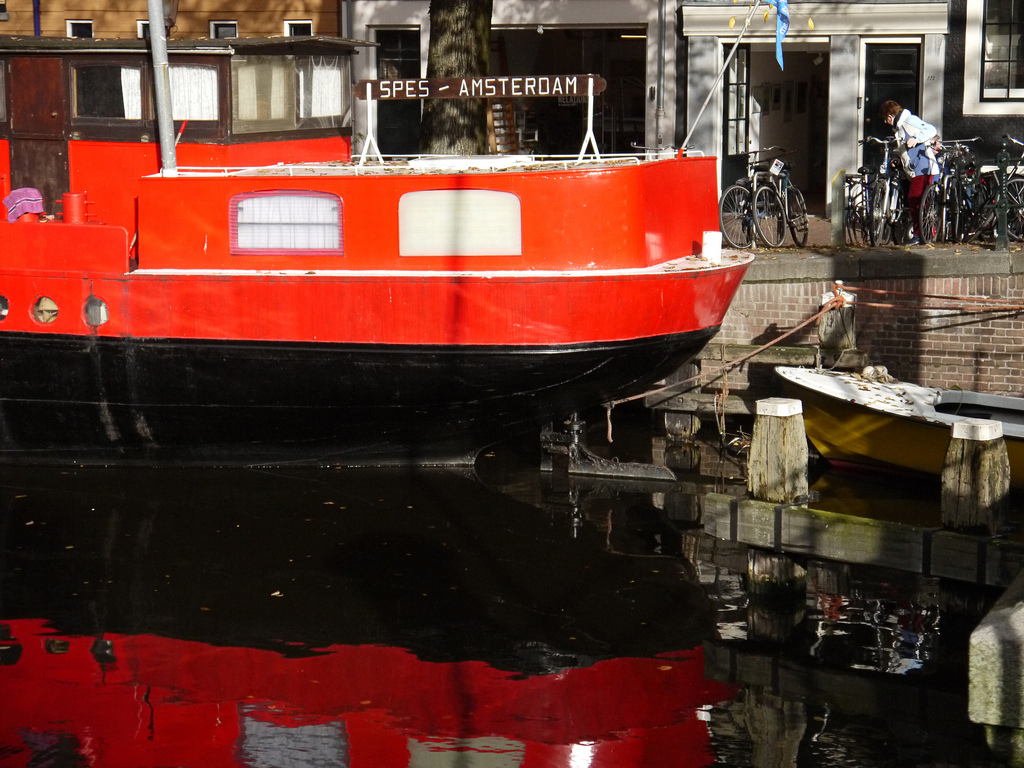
221	618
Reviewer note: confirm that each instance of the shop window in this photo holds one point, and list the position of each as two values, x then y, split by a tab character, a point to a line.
286	221
460	222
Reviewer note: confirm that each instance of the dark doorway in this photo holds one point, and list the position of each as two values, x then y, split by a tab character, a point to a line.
398	122
557	125
736	119
39	150
891	72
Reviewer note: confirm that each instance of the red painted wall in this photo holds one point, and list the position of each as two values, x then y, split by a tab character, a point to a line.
109	172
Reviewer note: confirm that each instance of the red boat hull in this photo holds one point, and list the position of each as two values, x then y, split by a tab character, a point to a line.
192	402
370	357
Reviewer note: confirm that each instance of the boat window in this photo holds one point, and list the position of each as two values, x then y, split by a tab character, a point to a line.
5	307
44	310
194	93
3	93
460	222
323	87
95	311
290	221
108	91
283	93
263	90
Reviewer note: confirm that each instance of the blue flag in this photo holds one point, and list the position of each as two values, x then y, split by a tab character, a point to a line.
781	26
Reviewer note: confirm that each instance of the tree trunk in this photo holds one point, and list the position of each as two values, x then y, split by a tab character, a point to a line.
460	46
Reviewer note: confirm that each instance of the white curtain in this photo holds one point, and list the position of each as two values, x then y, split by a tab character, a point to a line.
131	92
325	89
246	106
289	222
279	91
193	92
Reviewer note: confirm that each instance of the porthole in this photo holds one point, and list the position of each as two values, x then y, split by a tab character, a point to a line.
4	307
96	312
44	310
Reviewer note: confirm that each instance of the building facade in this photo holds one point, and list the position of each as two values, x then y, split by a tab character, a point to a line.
957	63
191	18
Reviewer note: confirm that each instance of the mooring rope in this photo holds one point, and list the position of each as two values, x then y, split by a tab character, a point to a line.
962	303
676	387
980	304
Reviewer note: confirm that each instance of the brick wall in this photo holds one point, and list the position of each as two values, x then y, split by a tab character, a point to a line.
963	344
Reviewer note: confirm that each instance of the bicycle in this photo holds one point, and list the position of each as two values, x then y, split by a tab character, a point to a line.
1015	195
943	211
889	216
762	205
857	208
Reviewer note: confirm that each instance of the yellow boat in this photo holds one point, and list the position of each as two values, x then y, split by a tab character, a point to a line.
870	418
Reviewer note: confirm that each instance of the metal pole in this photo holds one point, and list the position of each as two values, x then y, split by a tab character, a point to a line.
721	72
659	112
161	82
1002	204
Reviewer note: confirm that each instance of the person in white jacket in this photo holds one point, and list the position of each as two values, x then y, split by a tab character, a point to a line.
919	137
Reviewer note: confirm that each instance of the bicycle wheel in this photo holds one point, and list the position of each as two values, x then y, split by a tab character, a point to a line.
769	217
855	224
879	213
953	210
1015	208
735	217
901	223
931	214
796	209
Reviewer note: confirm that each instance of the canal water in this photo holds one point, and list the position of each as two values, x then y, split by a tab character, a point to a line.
493	618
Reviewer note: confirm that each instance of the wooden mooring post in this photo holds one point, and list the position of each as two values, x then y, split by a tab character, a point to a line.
777	472
976	478
769	518
967	547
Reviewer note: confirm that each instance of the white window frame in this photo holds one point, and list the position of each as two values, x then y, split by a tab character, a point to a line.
141	29
69	22
289	26
974	55
214	24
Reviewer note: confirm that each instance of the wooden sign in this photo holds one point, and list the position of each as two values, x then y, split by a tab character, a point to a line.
481	87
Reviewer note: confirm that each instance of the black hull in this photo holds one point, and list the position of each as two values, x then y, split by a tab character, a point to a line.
91	400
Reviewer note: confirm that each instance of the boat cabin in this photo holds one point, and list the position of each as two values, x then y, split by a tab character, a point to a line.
78	115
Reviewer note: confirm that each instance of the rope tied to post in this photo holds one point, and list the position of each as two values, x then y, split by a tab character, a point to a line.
670	390
952	302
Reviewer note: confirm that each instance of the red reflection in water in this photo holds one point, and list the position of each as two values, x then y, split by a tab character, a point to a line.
146	701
